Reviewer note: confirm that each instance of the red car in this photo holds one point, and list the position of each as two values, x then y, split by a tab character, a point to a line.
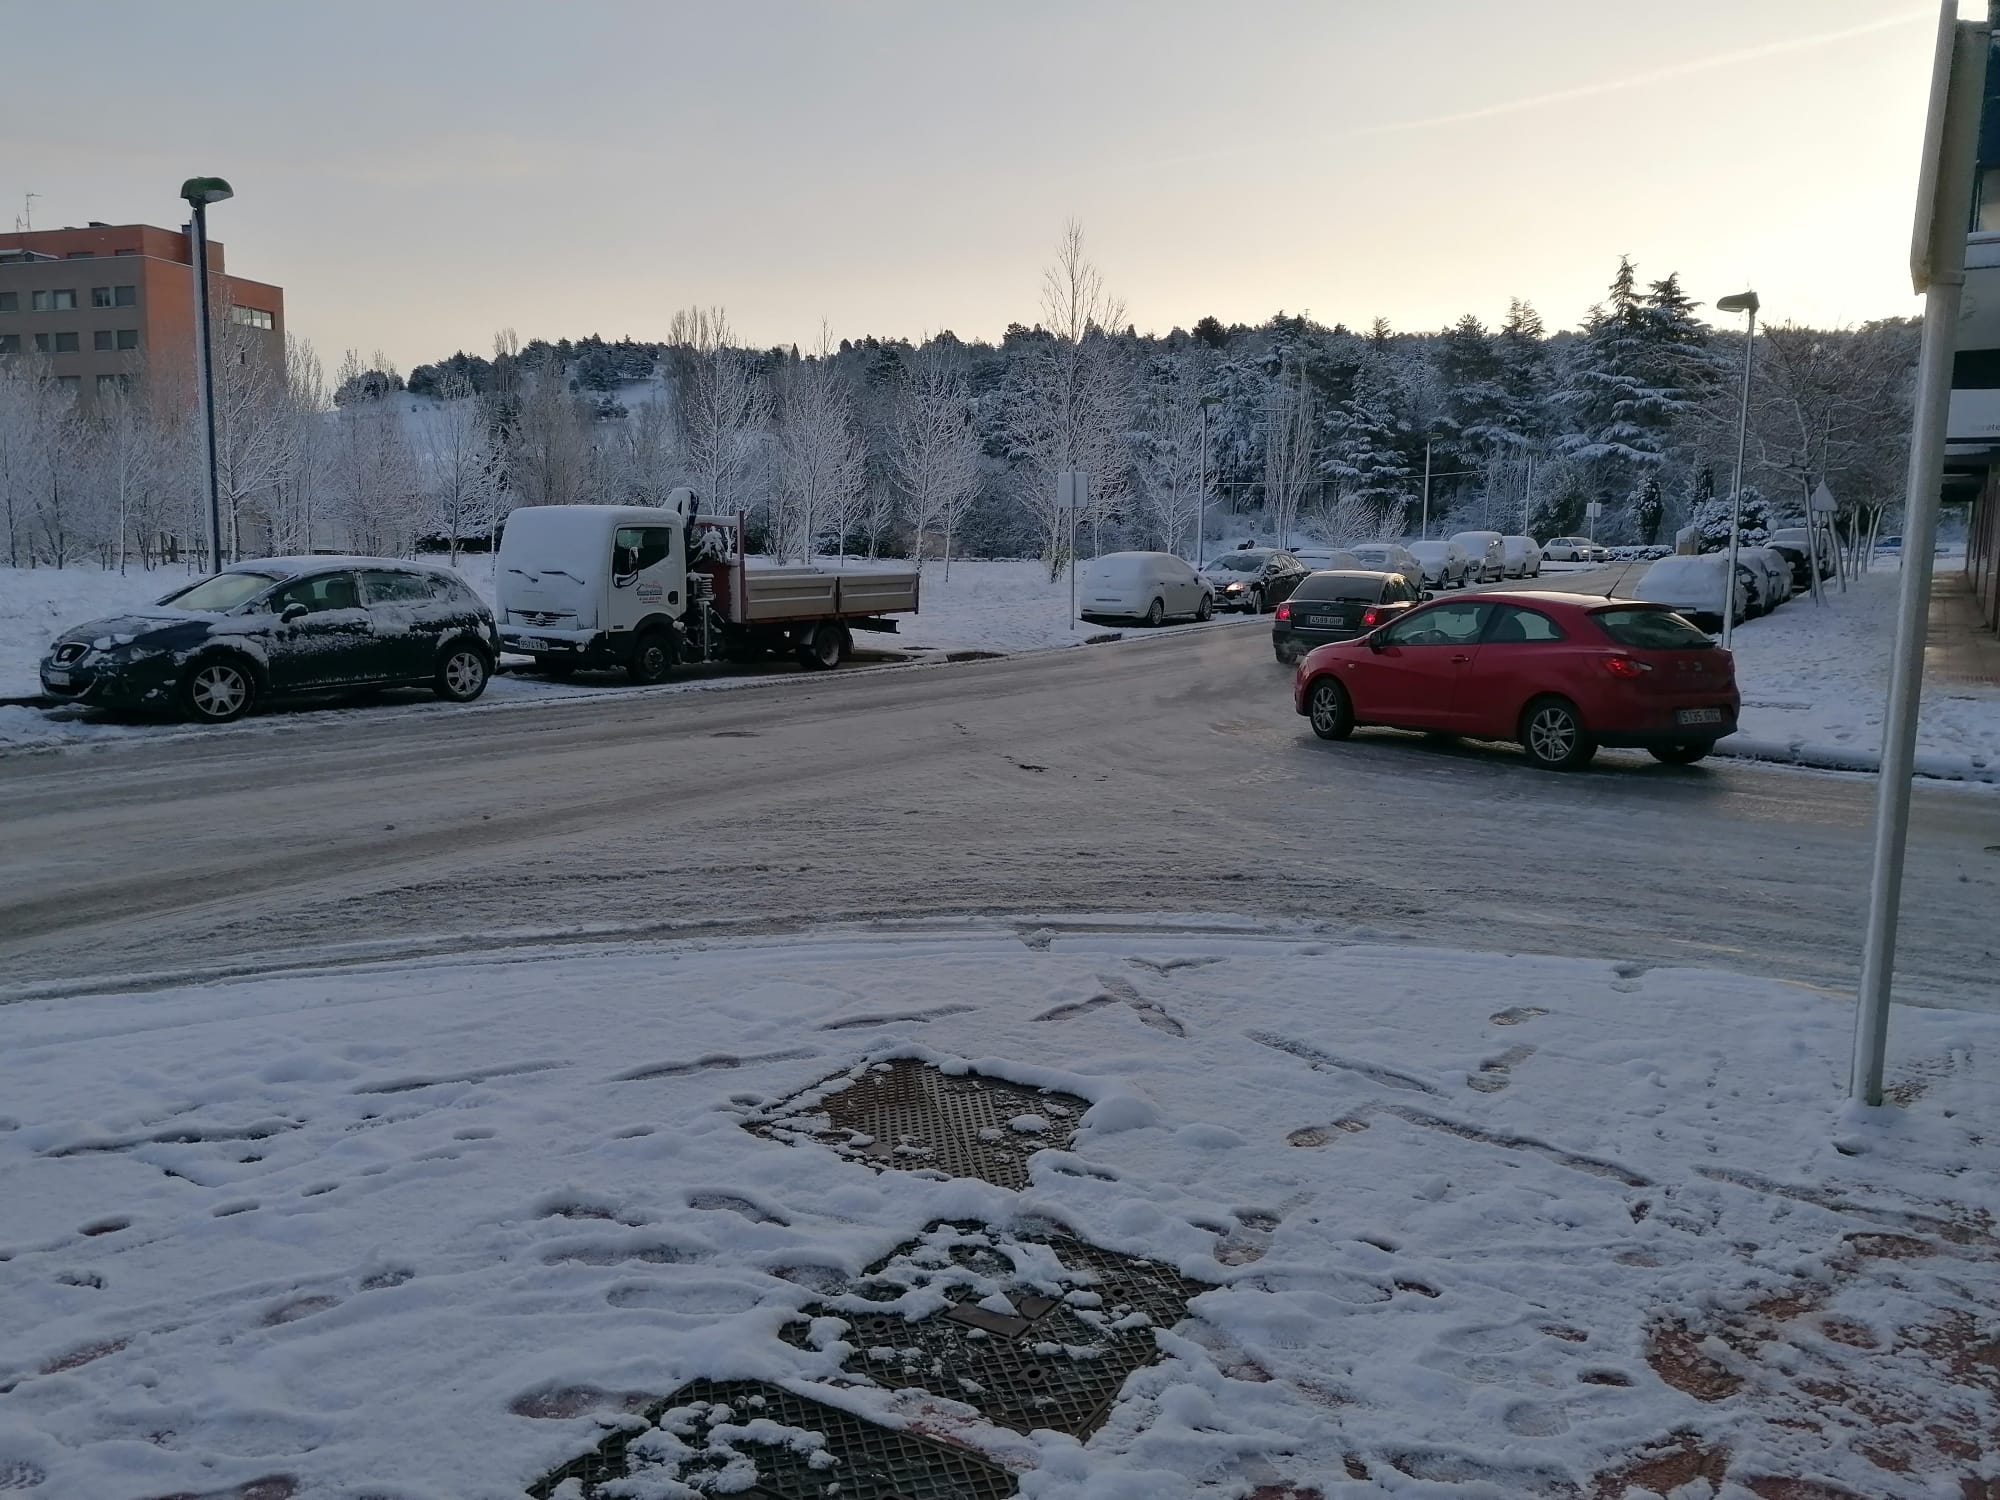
1560	673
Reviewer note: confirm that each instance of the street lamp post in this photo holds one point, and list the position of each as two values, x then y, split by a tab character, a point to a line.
1427	491
199	193
1743	302
1201	499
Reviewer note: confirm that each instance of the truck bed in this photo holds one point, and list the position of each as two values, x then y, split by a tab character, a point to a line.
772	596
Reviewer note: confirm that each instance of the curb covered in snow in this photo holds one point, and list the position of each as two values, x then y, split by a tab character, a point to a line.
1930	765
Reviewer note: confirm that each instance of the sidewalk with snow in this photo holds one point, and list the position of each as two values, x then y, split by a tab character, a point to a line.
1455	1224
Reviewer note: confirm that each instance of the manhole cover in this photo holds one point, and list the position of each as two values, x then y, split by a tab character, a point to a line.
913	1116
1040	1329
747	1438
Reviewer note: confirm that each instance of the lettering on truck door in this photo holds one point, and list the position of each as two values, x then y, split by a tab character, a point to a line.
642	581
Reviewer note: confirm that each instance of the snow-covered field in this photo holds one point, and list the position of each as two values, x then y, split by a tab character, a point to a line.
1462	1224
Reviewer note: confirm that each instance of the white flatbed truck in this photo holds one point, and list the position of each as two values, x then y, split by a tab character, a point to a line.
648	589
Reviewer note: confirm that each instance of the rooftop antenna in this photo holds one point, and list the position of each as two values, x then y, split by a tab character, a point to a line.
25	220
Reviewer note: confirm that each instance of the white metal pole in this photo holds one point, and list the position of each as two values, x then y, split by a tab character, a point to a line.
1201	500
205	345
1427	490
1957	148
1736	498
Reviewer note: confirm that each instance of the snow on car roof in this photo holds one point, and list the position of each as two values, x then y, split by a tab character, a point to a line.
292	567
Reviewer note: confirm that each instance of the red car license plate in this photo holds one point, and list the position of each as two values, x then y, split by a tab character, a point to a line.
1698	716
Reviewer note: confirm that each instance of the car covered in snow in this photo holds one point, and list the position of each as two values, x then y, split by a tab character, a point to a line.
1524	556
1149	586
1488	551
1386	557
1446	565
1561	674
1253	579
1796	545
1772	576
1694	587
282	626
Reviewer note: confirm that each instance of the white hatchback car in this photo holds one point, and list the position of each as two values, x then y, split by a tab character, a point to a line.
1445	564
1524	558
1569	549
1149	586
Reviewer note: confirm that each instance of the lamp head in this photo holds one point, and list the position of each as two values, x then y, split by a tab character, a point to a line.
200	190
1737	302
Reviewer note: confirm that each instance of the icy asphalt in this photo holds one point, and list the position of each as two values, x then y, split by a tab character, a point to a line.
1151	775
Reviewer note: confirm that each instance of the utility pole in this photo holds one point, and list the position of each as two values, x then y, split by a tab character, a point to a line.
199	192
1427	491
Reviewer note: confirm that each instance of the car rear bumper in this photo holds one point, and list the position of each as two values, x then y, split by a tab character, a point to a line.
1662	726
1294	642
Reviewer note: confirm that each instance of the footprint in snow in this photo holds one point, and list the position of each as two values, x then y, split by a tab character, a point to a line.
297	1308
20	1475
1516	1014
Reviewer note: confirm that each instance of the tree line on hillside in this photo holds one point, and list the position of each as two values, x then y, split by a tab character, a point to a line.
1290	429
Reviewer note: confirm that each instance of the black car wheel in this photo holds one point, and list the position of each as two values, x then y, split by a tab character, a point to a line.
652	658
1204	609
1683	754
462	673
1156	612
1328	707
218	690
1552	733
1256	601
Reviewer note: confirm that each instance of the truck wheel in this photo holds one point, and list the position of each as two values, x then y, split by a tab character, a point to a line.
652	658
828	647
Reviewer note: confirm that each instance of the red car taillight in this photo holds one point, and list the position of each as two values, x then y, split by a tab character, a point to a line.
1372	617
1624	666
1284	611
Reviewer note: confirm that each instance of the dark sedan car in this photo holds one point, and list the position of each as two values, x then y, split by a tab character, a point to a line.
1252	579
279	626
1338	605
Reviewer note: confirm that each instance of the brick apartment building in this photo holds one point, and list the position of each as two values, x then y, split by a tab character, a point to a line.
110	302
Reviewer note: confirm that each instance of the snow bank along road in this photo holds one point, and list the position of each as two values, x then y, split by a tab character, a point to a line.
1166	775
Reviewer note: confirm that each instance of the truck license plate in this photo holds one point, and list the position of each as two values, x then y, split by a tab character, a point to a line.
1698	716
57	677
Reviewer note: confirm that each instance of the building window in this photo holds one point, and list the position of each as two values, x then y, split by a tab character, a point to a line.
66	343
10	343
81	255
128	338
124	252
252	317
113	385
101	341
55	343
10	301
124	296
69	384
54	301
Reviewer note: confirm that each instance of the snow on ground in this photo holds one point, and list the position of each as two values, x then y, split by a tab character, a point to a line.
1815	682
1465	1224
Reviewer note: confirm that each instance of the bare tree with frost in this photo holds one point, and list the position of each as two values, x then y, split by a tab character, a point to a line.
935	450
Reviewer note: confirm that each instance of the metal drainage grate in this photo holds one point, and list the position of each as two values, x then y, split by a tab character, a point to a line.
701	1437
1056	1361
910	1115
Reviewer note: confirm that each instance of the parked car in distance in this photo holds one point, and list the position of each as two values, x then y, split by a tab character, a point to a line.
1385	557
1775	570
1446	565
1338	605
1561	674
1523	556
1568	549
1796	543
279	627
1252	579
1693	586
1889	544
1488	551
1150	586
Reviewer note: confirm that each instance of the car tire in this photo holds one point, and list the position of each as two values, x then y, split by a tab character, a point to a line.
652	658
828	647
1156	613
1205	609
218	690
1329	710
1683	754
1552	733
463	670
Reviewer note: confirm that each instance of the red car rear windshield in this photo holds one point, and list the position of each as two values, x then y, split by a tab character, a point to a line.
1651	629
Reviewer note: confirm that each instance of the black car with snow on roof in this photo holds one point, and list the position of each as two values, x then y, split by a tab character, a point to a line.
280	626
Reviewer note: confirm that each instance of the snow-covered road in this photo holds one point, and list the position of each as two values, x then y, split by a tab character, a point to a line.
1151	775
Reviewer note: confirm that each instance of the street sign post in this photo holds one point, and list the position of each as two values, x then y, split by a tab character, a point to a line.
1820	510
1937	269
1072	494
1590	513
